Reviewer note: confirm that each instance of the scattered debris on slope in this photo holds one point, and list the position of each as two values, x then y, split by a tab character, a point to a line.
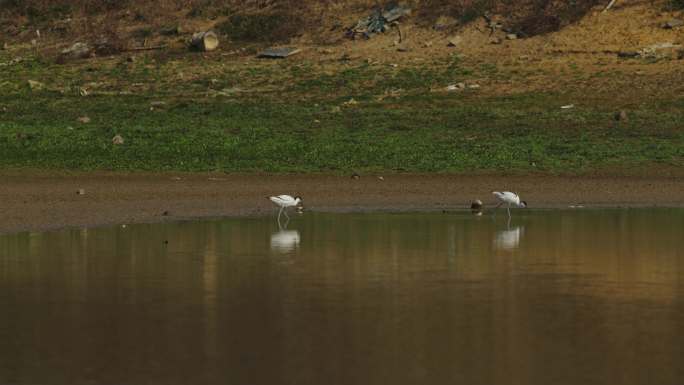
278	52
655	51
378	22
78	50
674	23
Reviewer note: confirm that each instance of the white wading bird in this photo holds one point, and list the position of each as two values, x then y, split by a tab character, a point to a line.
285	201
512	199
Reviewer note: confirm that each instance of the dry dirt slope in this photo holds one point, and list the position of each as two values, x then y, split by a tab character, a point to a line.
631	24
568	40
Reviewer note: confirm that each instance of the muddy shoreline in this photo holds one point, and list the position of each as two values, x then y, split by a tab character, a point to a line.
37	202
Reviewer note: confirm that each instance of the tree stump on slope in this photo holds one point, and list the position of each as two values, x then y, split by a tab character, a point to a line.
204	41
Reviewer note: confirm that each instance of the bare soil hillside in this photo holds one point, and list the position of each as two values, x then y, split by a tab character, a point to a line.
555	43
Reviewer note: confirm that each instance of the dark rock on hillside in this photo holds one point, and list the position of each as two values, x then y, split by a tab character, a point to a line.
674	23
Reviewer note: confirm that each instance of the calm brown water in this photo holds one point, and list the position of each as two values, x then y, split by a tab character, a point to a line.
557	297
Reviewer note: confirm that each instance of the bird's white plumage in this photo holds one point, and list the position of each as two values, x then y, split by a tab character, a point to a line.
285	200
510	199
507	197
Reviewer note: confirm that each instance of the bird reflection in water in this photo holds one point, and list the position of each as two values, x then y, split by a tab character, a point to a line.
509	239
285	240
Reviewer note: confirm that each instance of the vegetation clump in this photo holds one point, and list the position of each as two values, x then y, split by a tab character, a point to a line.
528	17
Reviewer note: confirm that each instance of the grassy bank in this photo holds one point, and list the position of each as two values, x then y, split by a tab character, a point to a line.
286	117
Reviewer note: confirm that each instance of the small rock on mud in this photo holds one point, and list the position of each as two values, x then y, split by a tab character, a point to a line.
476	205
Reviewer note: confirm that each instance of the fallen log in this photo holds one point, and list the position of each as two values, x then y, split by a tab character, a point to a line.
146	48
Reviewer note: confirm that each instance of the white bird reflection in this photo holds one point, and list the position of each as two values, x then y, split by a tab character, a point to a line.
285	241
509	239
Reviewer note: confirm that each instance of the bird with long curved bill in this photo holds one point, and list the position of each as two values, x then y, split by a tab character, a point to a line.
285	201
509	198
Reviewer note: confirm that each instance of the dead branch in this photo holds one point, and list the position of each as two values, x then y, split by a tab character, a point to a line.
146	48
609	5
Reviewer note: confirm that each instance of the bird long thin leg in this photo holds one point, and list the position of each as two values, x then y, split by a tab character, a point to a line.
280	212
509	210
286	216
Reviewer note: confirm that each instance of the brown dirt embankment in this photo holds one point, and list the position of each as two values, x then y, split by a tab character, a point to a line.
44	202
